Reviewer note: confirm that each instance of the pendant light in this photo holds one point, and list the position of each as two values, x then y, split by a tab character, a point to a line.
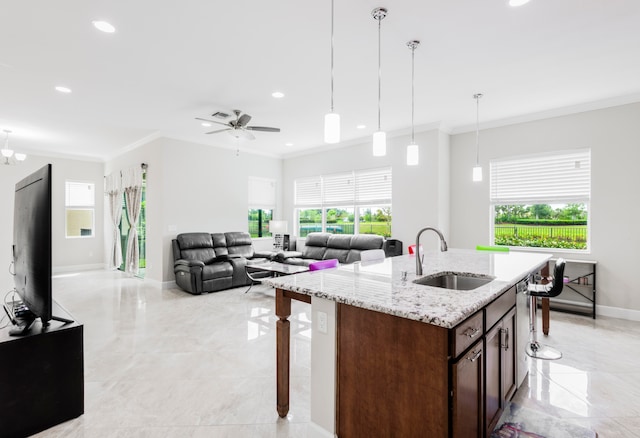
379	137
477	169
332	119
8	154
413	153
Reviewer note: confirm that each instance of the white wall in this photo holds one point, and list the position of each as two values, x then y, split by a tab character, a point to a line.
420	193
613	135
193	187
67	254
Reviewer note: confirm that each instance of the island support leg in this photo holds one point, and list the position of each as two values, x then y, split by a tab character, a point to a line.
283	334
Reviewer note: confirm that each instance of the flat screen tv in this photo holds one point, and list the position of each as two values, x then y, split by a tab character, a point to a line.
32	252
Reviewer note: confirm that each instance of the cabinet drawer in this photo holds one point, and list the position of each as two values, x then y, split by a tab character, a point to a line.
466	334
501	305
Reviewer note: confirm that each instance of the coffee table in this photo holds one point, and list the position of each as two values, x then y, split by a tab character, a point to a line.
257	272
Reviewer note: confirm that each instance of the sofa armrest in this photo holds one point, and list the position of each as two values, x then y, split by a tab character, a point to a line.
281	256
189	263
263	254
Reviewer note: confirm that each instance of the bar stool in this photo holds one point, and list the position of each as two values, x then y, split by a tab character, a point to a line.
549	290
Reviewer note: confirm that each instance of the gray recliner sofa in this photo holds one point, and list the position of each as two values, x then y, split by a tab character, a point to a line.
323	246
209	262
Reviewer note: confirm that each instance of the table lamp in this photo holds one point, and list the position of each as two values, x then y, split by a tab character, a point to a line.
278	230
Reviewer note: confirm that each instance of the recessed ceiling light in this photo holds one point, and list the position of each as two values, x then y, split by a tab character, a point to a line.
63	89
516	3
288	144
361	126
278	94
103	26
205	124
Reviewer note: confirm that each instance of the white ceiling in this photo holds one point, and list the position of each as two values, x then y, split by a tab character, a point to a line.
171	61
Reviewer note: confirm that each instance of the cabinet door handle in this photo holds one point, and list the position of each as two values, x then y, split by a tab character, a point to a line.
476	355
472	332
504	338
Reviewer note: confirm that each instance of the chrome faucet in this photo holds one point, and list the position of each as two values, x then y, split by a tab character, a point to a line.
443	247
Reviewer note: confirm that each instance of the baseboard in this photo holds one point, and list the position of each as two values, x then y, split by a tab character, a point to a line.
168	284
315	431
618	312
77	268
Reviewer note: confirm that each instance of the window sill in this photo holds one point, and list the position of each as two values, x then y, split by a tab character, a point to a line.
553	250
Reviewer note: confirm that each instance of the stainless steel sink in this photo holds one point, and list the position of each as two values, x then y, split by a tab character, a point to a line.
453	280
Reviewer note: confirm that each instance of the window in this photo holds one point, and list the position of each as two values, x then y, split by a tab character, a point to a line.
542	201
331	203
79	204
262	200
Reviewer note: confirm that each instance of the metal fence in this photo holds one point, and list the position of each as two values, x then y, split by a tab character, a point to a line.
560	232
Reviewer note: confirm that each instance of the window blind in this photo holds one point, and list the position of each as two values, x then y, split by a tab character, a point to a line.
372	186
563	177
79	194
262	193
308	191
338	189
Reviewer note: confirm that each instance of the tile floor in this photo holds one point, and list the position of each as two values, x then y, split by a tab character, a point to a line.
163	363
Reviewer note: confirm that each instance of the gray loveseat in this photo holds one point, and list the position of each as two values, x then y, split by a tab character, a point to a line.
323	246
209	262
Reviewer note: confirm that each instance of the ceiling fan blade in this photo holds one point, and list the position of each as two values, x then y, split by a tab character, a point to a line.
243	120
262	128
211	121
219	130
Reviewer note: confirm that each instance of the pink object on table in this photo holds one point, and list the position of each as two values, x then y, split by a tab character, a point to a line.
323	264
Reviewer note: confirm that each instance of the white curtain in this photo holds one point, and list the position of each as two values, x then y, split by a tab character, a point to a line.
132	186
113	192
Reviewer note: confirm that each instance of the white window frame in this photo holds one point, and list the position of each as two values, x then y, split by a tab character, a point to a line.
553	166
80	206
329	192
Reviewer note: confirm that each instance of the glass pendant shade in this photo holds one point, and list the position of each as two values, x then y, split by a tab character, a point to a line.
379	144
413	155
477	173
332	128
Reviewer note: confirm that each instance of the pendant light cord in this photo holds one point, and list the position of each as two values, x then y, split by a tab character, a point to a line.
477	97
413	63
379	70
332	55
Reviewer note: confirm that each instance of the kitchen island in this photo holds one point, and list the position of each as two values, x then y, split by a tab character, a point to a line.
394	358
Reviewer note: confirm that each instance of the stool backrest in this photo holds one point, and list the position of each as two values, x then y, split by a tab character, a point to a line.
558	278
371	255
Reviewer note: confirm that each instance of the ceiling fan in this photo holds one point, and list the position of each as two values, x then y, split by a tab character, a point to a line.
238	127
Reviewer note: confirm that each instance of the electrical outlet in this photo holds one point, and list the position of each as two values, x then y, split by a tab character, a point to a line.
322	322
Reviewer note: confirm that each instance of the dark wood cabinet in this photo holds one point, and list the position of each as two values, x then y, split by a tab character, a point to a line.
399	377
467	377
500	368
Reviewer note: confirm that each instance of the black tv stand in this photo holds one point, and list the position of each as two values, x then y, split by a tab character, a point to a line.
41	376
61	319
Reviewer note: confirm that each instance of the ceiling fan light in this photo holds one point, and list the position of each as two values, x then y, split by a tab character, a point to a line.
332	128
477	173
413	155
379	144
21	157
7	153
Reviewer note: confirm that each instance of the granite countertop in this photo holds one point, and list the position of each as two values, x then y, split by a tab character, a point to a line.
379	286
